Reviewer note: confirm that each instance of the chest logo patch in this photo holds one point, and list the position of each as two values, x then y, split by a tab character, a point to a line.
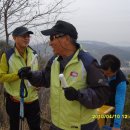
73	74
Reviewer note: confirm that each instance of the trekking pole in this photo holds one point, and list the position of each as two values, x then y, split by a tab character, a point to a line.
22	96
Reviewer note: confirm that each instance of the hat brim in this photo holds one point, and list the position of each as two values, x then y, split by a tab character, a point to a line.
28	32
49	32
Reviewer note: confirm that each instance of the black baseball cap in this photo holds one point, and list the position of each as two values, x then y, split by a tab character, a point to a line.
21	31
61	27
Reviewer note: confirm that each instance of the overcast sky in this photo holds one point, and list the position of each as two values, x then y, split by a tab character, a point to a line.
101	20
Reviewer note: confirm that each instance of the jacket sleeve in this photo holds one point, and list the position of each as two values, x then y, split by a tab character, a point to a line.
98	91
42	78
4	76
119	103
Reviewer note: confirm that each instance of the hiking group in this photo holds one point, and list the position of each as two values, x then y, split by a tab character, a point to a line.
90	85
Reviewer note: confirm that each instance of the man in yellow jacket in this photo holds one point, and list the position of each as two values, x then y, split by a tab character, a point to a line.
11	61
72	108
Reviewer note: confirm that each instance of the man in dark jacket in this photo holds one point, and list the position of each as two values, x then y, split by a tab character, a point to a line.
71	107
110	65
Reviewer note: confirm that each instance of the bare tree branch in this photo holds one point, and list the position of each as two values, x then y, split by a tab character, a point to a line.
28	13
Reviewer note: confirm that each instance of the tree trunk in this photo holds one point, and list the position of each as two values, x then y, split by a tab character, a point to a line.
6	29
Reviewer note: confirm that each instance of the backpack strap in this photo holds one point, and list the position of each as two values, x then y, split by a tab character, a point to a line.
8	55
34	52
86	58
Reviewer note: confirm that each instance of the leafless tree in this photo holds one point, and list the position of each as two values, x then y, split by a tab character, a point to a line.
31	13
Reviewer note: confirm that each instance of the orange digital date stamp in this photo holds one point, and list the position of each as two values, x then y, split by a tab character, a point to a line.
98	116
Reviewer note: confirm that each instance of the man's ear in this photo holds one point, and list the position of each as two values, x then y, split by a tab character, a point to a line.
68	37
68	40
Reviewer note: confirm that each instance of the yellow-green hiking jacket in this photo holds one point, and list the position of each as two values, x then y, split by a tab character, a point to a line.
82	73
9	73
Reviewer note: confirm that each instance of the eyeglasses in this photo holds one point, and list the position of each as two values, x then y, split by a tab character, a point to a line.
56	36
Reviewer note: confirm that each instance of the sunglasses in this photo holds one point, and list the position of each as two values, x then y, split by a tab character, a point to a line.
56	36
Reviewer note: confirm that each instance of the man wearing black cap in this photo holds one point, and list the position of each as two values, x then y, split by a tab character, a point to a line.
73	107
12	60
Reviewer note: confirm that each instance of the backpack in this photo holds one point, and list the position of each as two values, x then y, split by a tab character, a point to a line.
86	58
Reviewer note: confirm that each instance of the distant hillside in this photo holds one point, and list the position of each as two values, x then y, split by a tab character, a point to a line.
98	49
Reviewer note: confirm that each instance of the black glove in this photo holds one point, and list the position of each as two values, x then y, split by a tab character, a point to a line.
71	93
25	73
